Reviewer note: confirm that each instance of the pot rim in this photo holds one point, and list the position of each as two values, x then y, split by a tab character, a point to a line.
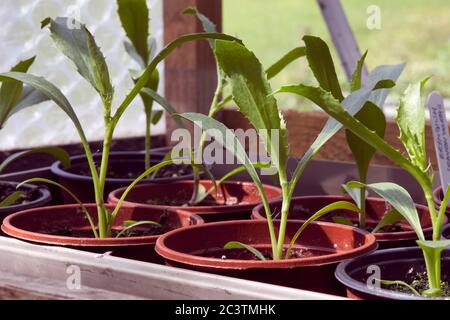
369	245
438	196
57	169
114	198
44	198
9	228
343	276
381	236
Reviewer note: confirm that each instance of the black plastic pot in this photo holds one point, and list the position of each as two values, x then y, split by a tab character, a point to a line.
82	185
393	264
42	198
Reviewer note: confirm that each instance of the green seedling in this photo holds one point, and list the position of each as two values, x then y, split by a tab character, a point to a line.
253	96
79	45
411	121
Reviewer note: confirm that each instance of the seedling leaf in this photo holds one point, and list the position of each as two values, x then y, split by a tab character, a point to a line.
238	245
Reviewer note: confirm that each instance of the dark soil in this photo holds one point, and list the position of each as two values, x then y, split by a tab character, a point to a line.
243	254
419	282
305	213
182	197
28	195
86	232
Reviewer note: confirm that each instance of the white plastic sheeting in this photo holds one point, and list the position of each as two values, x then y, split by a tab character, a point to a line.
21	37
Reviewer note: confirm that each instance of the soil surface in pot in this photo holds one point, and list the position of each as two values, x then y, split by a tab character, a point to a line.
419	281
28	195
86	232
242	254
182	197
120	171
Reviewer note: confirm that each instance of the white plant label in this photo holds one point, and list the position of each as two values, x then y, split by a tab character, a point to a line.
441	136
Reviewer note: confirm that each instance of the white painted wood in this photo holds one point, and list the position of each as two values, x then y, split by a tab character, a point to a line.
342	36
132	278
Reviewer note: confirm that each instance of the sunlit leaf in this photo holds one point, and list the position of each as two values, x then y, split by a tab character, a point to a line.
251	92
400	199
56	152
338	205
284	61
130	224
411	121
390	218
11	91
240	245
11	199
373	118
134	16
78	44
321	64
357	74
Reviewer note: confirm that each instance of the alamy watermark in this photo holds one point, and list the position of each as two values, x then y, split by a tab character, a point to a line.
373	21
248	145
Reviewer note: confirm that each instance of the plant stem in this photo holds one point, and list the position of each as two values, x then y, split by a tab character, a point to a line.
433	265
362	213
213	109
284	213
148	138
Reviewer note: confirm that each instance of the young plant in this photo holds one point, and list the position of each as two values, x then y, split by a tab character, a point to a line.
322	66
253	96
219	102
411	121
78	44
134	16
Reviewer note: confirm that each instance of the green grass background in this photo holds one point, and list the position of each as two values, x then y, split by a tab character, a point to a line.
412	31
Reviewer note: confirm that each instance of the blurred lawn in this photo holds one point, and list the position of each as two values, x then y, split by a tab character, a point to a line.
412	31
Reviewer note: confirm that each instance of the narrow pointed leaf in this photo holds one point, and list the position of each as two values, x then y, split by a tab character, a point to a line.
134	16
342	220
11	199
373	118
30	97
284	61
156	116
11	91
400	199
391	217
130	224
163	103
57	153
78	44
338	205
321	64
252	94
207	24
411	121
357	74
48	89
352	103
240	245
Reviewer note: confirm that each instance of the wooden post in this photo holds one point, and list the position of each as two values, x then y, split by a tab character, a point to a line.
190	72
342	36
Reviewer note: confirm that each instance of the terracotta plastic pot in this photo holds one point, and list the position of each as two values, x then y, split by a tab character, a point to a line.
233	201
35	225
438	196
201	248
42	197
392	264
303	207
119	162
